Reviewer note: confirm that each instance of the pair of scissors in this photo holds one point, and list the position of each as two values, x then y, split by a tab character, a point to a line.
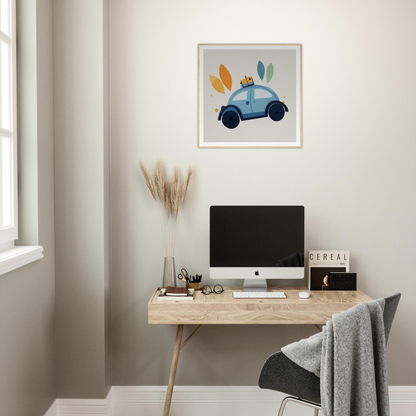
184	275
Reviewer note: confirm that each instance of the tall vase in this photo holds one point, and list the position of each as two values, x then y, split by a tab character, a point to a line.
169	272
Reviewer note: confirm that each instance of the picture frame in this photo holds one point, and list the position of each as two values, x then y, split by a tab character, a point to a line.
249	95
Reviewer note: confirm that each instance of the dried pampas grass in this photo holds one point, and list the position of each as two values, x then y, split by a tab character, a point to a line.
174	193
167	197
186	183
170	198
148	179
160	180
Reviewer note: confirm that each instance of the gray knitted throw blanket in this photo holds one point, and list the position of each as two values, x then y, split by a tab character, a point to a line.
349	356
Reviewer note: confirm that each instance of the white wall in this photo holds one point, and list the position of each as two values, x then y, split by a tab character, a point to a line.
355	174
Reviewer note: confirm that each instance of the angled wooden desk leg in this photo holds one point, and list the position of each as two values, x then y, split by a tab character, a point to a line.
173	368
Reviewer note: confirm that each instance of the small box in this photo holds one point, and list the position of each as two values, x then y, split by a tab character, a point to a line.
342	281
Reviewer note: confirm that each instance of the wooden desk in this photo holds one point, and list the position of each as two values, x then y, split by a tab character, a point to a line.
220	309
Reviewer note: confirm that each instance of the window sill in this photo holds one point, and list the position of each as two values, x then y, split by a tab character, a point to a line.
18	256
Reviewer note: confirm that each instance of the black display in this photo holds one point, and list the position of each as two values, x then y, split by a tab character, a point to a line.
257	236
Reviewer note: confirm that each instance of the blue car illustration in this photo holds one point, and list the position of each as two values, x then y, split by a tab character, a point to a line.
250	102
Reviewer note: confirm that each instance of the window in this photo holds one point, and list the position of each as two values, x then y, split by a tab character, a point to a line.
11	256
8	148
241	97
260	93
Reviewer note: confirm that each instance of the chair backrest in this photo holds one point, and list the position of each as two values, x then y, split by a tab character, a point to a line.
389	312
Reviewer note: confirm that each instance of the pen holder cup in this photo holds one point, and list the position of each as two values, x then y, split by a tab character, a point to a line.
195	286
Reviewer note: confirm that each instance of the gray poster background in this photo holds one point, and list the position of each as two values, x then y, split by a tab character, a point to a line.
241	63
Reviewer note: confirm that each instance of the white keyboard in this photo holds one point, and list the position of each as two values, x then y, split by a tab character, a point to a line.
259	295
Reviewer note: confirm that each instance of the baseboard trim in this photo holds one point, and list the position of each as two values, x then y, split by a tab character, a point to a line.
402	394
86	407
203	400
197	394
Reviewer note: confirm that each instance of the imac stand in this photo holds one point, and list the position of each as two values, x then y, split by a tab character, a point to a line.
255	285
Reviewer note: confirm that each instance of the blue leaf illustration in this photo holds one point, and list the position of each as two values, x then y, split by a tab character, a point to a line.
260	70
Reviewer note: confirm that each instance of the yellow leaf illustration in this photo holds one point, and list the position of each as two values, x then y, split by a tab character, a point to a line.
217	84
226	77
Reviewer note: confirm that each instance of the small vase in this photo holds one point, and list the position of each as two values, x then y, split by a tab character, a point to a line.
169	272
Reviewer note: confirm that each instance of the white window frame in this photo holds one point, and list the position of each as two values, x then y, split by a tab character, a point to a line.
11	256
9	233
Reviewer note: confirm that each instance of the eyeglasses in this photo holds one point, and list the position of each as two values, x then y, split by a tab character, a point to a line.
207	290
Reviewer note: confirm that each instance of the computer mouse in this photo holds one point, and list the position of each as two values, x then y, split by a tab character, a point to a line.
304	295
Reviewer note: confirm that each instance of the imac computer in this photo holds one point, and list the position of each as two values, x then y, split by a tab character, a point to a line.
256	242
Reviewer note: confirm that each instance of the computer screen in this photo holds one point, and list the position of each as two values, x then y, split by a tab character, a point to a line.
256	242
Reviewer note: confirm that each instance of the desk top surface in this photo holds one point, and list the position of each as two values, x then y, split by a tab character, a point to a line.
219	309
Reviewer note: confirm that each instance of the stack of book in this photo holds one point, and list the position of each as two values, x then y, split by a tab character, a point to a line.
176	293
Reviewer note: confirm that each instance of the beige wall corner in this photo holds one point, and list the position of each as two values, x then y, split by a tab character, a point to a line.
27	294
82	198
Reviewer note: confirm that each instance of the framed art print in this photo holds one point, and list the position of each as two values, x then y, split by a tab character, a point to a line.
249	95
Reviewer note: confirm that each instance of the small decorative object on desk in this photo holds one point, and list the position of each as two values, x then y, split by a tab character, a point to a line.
170	198
169	294
195	282
191	281
342	281
323	262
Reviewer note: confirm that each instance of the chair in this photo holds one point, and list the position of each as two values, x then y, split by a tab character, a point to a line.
281	374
